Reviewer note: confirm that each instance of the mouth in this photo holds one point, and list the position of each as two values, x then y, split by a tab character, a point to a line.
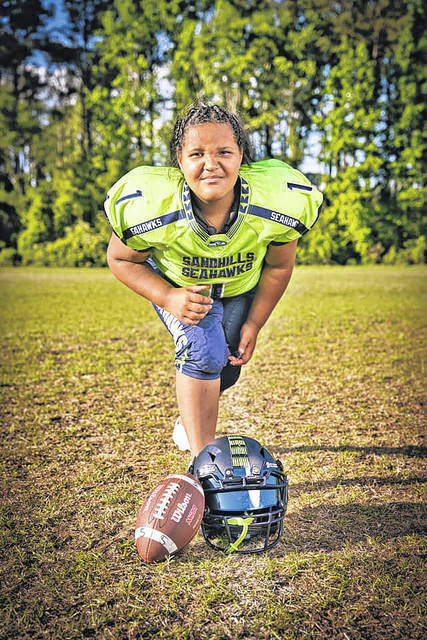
211	178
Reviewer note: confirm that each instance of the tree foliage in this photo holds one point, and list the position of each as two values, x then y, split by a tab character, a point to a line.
336	89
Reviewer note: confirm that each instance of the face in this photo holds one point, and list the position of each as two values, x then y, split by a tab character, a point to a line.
210	160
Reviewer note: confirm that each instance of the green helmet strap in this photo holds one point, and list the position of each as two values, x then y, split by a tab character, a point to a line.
240	522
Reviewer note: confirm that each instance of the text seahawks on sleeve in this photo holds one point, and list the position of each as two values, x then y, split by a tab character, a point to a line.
150	208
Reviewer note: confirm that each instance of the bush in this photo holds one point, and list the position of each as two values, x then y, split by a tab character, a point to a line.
81	246
9	257
414	252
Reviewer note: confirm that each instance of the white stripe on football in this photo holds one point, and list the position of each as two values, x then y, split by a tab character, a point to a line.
161	538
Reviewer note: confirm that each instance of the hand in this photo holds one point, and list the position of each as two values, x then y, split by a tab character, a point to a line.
248	336
188	304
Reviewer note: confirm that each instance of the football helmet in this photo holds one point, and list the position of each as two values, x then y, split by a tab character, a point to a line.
246	494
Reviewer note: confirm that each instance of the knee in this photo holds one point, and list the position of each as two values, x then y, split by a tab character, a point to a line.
211	350
206	353
229	376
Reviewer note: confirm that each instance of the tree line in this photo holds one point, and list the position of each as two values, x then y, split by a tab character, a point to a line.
336	88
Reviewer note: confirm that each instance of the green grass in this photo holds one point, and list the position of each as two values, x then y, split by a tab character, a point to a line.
336	389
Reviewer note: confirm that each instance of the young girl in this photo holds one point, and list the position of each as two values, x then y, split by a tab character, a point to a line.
211	242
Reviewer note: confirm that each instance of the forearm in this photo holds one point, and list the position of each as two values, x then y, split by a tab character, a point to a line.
130	267
272	285
142	279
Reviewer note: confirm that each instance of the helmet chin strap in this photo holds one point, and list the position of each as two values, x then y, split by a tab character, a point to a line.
240	522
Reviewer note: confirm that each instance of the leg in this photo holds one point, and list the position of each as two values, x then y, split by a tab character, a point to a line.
236	311
198	408
201	352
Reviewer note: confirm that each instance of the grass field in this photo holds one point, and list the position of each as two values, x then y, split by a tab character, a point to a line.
336	389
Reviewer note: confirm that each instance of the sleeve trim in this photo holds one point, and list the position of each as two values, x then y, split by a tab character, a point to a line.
280	218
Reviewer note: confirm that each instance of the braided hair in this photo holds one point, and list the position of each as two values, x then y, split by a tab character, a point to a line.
203	113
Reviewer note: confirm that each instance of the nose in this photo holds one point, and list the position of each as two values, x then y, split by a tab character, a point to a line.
211	162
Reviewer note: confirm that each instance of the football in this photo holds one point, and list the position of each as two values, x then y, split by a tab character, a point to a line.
169	517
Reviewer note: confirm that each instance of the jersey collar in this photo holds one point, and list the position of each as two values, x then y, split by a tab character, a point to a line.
231	229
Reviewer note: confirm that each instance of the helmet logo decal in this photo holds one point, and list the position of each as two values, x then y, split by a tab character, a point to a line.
239	452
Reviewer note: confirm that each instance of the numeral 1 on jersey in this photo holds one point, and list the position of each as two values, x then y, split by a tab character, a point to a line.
300	187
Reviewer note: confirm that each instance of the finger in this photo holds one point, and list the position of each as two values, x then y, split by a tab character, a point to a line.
195	314
242	348
190	321
244	352
236	359
246	357
198	290
237	362
196	297
198	287
199	308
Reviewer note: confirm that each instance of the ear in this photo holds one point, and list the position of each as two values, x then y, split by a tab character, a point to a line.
179	159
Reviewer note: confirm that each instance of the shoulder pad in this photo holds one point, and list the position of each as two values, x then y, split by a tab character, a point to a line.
143	194
276	187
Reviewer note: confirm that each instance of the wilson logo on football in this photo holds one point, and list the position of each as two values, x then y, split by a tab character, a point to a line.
180	508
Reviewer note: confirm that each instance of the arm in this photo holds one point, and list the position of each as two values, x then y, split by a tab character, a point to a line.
129	266
275	277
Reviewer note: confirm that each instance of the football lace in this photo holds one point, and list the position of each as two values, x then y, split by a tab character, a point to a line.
162	505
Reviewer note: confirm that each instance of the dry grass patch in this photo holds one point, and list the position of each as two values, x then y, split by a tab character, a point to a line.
336	389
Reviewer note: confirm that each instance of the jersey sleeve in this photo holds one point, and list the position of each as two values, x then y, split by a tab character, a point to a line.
307	202
121	201
283	197
141	204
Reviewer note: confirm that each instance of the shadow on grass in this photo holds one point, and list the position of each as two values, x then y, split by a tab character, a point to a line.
412	451
370	481
334	527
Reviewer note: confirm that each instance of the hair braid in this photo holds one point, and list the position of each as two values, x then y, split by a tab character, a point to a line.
203	113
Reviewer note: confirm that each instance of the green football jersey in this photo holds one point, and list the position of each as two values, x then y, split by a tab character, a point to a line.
150	208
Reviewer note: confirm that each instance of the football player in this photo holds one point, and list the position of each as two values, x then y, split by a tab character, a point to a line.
211	242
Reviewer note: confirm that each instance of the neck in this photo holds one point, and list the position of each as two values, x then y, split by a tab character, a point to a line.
217	210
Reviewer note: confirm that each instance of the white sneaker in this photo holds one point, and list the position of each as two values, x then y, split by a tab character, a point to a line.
180	437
